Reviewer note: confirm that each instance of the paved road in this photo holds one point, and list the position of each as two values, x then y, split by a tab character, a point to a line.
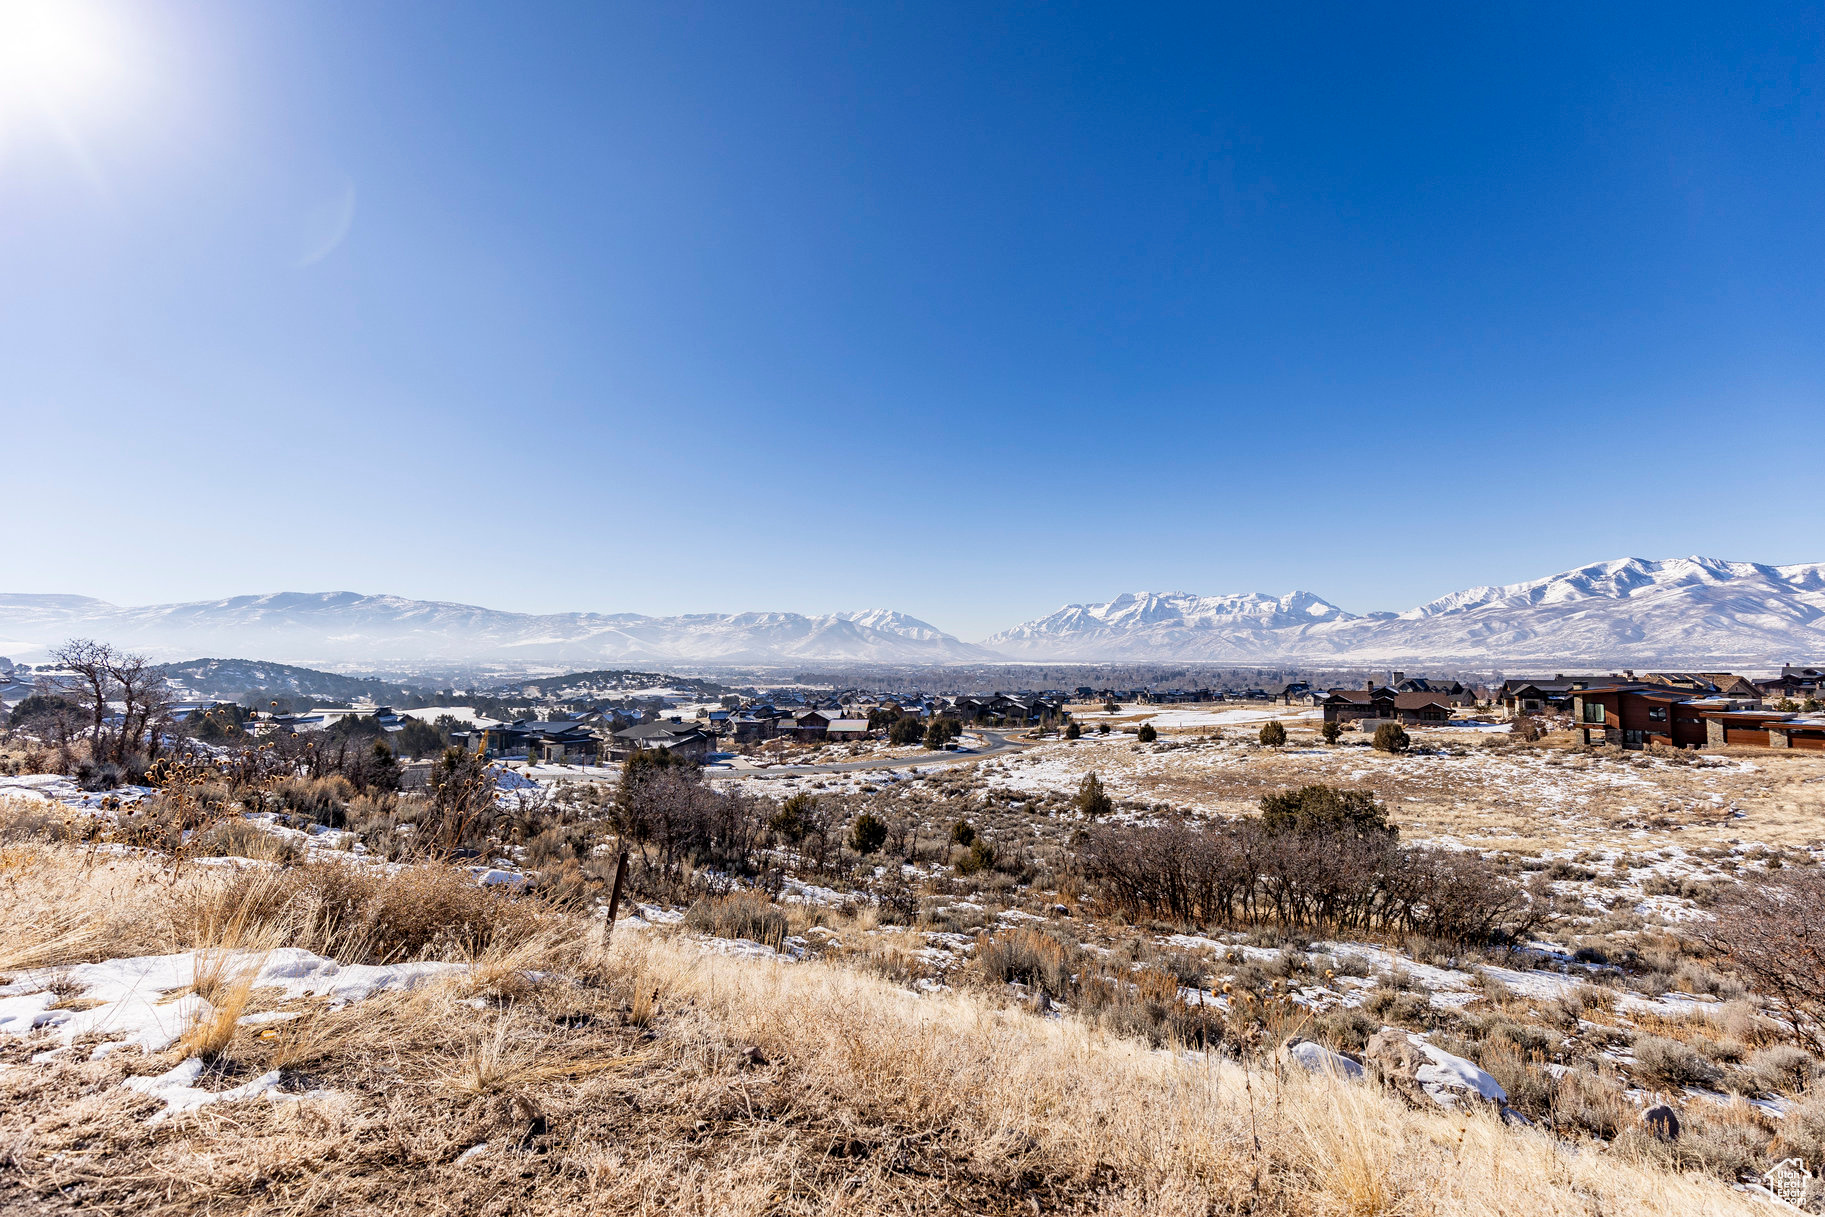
998	744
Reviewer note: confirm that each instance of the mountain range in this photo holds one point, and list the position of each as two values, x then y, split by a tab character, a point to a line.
352	629
1680	611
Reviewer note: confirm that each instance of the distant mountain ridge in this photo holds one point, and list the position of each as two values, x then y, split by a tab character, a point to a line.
307	628
1677	612
1673	611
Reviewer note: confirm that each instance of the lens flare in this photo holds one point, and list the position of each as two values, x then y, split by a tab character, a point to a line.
57	57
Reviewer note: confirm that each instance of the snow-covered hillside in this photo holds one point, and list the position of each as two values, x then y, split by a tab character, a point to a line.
1170	625
348	628
1677	611
1681	611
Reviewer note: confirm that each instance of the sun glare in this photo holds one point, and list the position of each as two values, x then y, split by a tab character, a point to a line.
56	57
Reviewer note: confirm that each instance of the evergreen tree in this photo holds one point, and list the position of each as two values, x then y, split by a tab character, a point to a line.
1273	735
1092	800
868	833
1146	734
1318	809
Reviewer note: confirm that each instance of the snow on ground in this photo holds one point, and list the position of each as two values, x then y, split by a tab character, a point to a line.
462	714
149	1002
179	1093
56	788
1167	720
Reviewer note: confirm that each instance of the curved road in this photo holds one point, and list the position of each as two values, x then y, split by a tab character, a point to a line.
998	744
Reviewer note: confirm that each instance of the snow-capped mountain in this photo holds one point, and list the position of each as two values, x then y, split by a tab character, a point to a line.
349	628
1680	611
1170	626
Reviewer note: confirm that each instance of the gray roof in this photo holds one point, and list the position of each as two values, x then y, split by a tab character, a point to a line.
659	731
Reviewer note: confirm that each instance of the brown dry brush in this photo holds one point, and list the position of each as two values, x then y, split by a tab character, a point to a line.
1242	873
1773	934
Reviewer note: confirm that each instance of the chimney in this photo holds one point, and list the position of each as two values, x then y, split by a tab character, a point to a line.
1369	684
1629	672
1398	677
1558	676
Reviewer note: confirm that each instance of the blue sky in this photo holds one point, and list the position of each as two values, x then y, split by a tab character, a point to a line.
964	310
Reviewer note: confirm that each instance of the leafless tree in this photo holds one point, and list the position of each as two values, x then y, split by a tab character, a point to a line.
1774	934
102	677
87	662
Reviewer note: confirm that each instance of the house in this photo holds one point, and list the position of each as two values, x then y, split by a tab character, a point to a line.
749	727
1805	732
846	729
1374	705
682	739
1635	716
809	724
1794	684
1708	684
1453	692
970	708
1537	695
1295	693
565	740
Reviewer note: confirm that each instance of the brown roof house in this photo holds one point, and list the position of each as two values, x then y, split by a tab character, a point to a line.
1377	705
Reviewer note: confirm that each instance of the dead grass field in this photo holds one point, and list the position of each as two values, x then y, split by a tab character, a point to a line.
645	1076
1528	799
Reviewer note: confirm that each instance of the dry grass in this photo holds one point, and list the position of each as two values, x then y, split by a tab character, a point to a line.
654	1078
1517	799
61	905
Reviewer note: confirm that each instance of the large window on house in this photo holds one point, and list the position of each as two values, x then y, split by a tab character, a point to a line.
1593	711
1657	713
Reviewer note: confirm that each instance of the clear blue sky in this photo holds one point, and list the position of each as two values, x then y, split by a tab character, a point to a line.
959	309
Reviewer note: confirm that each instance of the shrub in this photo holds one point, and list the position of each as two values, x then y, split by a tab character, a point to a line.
790	820
1773	934
1317	808
1102	728
739	915
1146	734
365	915
419	739
1392	737
1092	800
324	800
868	833
1028	957
1273	735
1341	873
245	839
981	857
908	730
1782	1069
1527	728
1331	732
1073	730
963	833
1670	1065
